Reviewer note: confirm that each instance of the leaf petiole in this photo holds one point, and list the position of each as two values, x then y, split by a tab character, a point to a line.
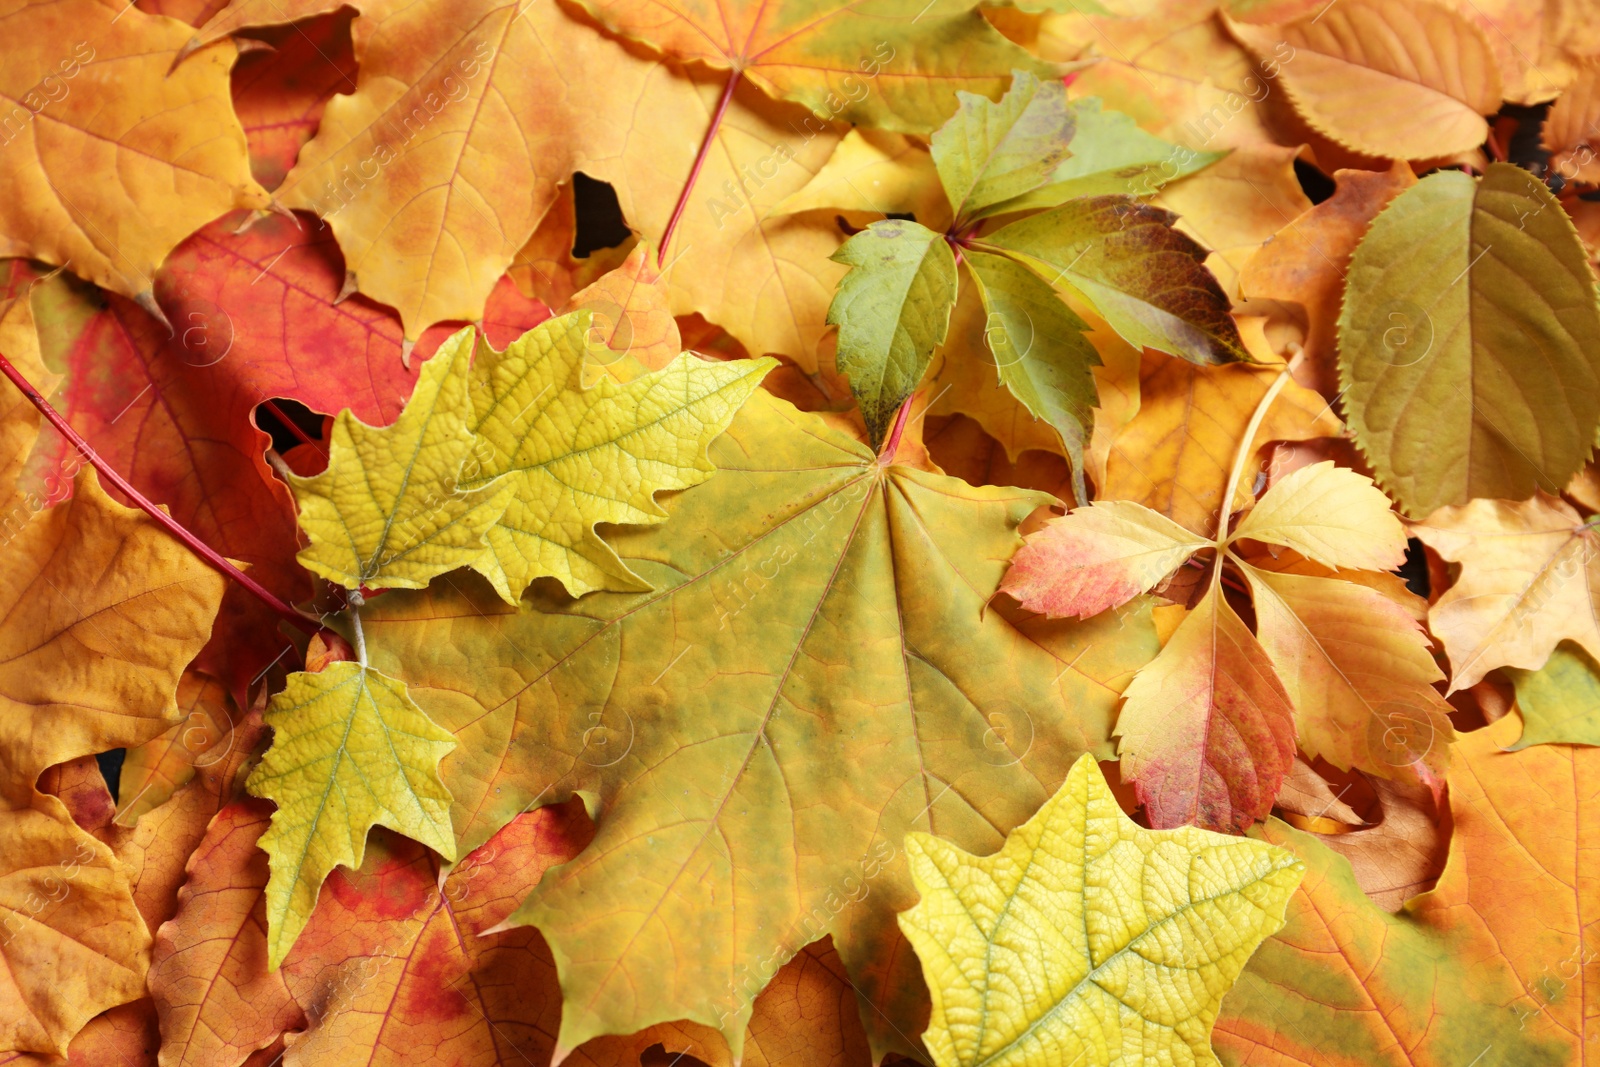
699	161
1244	452
171	525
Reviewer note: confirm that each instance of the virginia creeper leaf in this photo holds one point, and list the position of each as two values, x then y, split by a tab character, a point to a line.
1148	280
1357	668
1040	347
1087	938
1329	514
1207	729
722	749
574	457
1173	455
391	510
1097	558
892	310
1469	344
1559	702
351	750
991	152
1110	156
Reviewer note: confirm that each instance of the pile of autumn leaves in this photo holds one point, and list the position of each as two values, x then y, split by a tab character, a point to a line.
849	743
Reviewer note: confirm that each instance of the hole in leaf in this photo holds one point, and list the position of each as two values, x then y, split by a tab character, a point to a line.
1414	571
600	221
1316	185
111	769
288	422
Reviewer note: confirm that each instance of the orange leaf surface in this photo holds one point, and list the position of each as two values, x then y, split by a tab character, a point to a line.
910	58
1173	456
1306	262
87	92
1387	78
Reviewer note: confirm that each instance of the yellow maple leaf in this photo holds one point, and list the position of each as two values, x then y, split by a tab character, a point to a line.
574	457
350	751
1087	939
389	512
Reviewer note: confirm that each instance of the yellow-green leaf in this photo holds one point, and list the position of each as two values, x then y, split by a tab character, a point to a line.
892	310
574	457
389	511
818	669
350	751
990	152
1041	349
1110	155
1469	342
1088	940
1560	702
1146	278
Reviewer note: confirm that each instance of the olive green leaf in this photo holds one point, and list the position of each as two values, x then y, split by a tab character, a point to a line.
1559	702
1087	939
818	669
389	511
1146	279
991	152
892	310
1469	342
350	751
1040	348
1110	155
577	456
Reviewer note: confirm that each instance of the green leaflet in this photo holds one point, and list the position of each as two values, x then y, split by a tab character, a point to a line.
388	512
350	751
992	152
1110	155
1148	280
891	309
1469	342
576	456
1040	349
1560	702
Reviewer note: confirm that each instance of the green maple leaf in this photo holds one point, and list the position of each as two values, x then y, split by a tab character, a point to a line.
816	671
